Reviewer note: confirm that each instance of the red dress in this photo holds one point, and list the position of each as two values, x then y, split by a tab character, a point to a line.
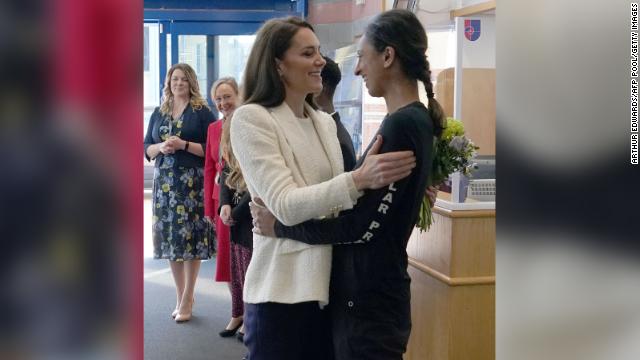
213	165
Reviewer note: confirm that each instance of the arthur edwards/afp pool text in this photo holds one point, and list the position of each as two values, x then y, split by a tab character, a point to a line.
634	83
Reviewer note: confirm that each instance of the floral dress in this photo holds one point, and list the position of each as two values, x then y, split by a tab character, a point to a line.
180	231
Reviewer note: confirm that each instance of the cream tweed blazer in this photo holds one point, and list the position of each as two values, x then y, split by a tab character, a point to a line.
270	146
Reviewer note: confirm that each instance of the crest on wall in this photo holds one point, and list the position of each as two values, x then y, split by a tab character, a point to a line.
472	29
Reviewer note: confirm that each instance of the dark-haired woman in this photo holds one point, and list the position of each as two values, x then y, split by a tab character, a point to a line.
290	157
370	293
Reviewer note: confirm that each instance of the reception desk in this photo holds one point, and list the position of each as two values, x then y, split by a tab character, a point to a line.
452	269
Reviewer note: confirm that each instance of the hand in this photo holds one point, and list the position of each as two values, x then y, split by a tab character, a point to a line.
379	170
208	219
165	148
432	193
263	220
225	215
176	143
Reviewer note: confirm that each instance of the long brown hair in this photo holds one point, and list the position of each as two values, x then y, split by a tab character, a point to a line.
235	180
195	99
262	83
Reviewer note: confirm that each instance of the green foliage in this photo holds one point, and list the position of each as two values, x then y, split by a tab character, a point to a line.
452	152
452	128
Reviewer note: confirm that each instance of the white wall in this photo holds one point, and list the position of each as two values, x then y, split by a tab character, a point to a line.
434	14
482	52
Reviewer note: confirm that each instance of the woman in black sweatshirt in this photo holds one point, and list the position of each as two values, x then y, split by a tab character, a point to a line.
370	293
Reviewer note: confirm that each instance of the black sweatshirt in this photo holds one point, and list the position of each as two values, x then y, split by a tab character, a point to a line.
369	271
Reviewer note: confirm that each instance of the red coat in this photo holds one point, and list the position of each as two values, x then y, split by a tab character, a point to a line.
213	165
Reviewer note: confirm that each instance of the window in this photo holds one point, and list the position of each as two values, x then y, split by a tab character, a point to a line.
192	50
152	85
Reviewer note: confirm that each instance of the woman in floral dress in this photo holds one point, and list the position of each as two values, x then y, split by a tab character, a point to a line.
176	139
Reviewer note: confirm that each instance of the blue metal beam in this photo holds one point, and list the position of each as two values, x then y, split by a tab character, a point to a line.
217	4
174	48
216	28
302	8
216	15
212	70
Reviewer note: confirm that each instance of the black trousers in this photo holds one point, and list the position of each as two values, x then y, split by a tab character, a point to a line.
371	332
276	331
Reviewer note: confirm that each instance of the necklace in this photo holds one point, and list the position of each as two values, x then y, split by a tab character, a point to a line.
175	115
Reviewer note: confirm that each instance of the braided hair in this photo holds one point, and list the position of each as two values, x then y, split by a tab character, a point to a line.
401	30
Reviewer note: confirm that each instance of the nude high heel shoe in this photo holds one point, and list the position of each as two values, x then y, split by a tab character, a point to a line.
176	311
180	318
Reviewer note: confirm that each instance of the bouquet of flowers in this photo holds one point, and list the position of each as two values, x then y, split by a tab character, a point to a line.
452	152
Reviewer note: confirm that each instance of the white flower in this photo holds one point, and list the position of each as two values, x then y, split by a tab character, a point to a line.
458	143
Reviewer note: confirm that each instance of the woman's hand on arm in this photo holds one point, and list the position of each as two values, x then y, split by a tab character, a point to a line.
265	168
263	220
379	170
371	217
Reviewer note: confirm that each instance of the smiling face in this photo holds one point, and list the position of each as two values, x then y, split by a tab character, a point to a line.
301	64
371	66
225	98
179	84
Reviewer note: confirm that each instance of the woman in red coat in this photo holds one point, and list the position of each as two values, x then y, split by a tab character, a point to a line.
224	94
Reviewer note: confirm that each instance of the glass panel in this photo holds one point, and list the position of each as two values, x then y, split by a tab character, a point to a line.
441	55
168	53
192	50
347	99
233	55
151	86
151	65
145	50
147	116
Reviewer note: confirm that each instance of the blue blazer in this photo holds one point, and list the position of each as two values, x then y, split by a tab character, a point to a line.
194	130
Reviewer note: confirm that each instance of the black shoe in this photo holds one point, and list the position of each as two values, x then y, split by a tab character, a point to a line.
240	336
230	332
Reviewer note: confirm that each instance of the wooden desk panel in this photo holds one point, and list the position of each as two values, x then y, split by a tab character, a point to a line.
452	268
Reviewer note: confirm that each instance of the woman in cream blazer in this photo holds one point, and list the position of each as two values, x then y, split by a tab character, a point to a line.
281	168
290	157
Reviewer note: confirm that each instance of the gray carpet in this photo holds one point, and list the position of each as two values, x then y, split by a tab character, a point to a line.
195	339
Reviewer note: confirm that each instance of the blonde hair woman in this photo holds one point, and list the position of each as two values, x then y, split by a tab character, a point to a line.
224	93
235	212
176	139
